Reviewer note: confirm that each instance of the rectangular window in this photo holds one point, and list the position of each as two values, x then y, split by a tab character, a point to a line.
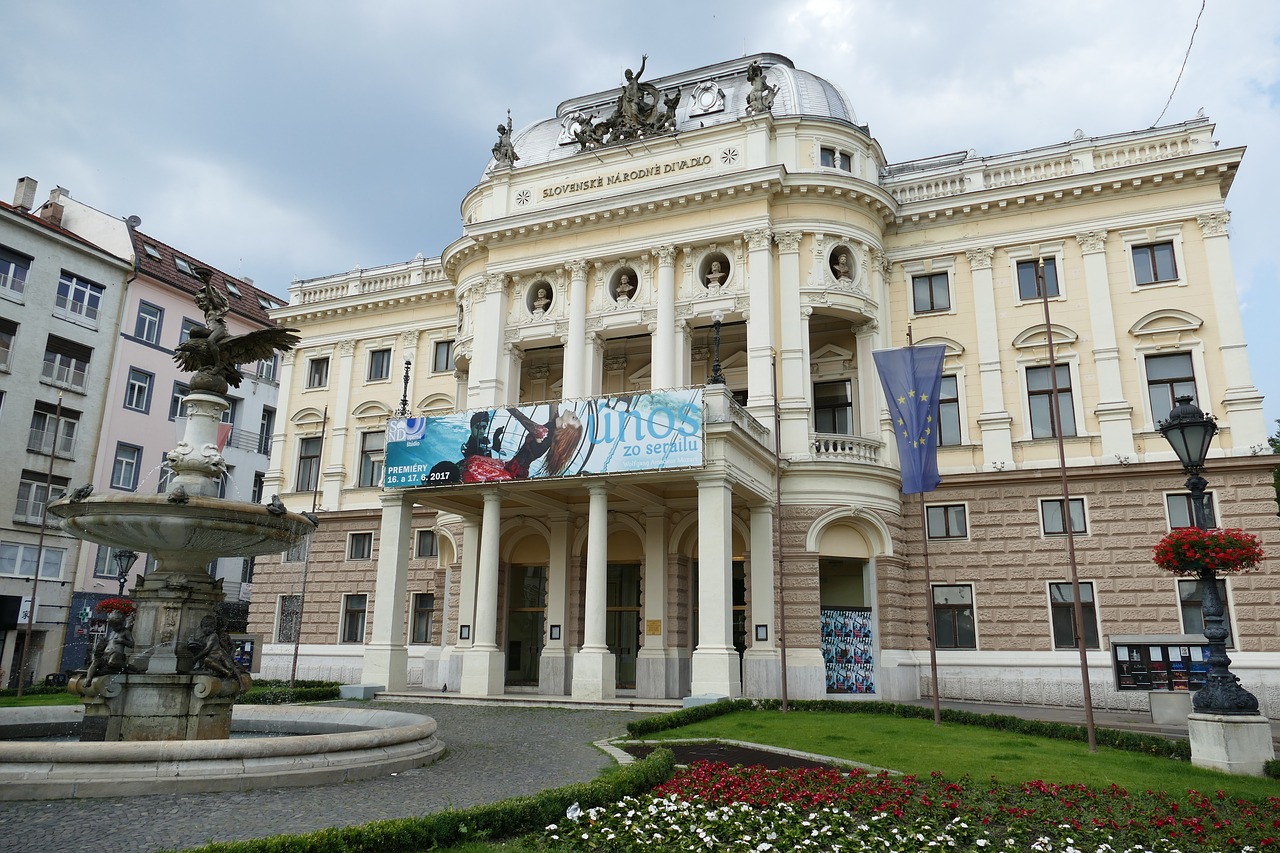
177	401
318	372
1168	378
953	623
1027	287
308	465
427	545
298	553
288	618
1062	614
949	412
947	522
166	473
266	427
184	334
1191	601
353	610
124	470
104	564
78	298
259	485
267	368
1154	263
1044	422
360	546
66	363
152	252
832	408
148	323
137	390
827	157
443	358
232	288
1051	520
1181	511
19	560
13	273
34	494
45	422
246	570
371	458
845	163
424	606
228	415
184	266
930	293
8	331
379	365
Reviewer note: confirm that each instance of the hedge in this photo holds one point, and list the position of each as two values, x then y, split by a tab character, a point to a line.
33	690
276	691
1179	750
505	819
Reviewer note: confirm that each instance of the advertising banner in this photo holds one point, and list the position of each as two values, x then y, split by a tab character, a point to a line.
606	435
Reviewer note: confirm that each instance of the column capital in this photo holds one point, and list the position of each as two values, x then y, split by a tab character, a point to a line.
758	238
980	259
494	283
598	489
346	347
789	241
409	338
666	255
577	269
1091	242
1214	224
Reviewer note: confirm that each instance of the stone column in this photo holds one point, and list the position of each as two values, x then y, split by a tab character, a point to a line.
467	582
575	367
594	668
868	419
651	662
386	658
716	668
1242	402
334	474
553	666
663	359
760	343
1115	415
487	370
514	359
793	369
994	422
482	668
762	662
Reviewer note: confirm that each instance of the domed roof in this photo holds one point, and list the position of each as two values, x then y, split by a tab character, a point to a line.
709	96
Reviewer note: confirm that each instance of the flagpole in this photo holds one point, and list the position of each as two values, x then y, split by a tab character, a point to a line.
777	533
928	588
306	558
1077	607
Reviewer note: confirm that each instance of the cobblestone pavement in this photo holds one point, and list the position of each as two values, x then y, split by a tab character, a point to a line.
492	753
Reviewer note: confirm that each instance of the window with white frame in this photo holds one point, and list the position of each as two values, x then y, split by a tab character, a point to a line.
137	390
833	407
259	486
78	298
931	292
379	365
152	252
35	490
288	618
1181	510
1062	615
66	363
232	288
1154	263
423	613
267	367
148	323
19	560
1028	288
266	427
1191	605
949	434
124	469
165	475
953	619
308	464
1044	415
8	331
104	564
1053	521
353	611
49	427
1169	377
13	273
427	545
178	400
184	266
947	521
834	158
372	455
184	333
360	546
442	359
318	372
298	552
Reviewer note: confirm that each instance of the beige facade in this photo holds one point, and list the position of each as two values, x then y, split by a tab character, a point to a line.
584	274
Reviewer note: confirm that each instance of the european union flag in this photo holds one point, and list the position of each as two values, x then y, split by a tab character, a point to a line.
911	377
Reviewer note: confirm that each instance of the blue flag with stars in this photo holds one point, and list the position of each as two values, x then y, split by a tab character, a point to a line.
911	377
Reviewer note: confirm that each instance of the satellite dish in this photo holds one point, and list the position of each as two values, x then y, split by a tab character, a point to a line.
133	222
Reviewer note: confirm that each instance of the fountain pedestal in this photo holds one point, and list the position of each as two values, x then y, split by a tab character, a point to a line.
142	706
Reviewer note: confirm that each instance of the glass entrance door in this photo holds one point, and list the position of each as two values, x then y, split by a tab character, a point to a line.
526	615
622	620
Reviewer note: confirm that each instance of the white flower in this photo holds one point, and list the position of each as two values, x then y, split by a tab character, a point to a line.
573	812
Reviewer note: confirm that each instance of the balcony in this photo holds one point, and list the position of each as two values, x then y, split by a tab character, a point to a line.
845	448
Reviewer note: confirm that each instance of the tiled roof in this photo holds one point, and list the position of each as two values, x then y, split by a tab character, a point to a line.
165	269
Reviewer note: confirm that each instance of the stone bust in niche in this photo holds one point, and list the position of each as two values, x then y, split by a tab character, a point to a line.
841	268
541	301
624	288
716	275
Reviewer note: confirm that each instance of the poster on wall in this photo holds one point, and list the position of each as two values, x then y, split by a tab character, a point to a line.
847	649
606	435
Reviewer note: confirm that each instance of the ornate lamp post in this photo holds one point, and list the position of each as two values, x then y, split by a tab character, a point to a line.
1190	432
717	375
124	558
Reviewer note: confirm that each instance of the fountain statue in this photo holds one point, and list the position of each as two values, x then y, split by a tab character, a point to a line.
167	672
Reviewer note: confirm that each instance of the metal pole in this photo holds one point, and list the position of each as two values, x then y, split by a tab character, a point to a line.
306	557
777	530
1077	606
35	581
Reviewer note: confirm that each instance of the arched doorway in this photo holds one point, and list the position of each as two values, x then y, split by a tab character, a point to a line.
846	597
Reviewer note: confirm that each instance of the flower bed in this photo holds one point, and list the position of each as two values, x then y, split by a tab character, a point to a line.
1191	551
715	807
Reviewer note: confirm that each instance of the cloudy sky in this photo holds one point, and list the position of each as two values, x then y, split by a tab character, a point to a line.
298	138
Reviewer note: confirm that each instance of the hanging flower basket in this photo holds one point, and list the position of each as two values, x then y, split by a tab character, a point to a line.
115	605
1191	551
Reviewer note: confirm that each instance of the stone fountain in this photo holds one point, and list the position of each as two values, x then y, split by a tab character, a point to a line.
167	672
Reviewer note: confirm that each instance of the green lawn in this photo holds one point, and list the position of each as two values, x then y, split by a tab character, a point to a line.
46	699
919	747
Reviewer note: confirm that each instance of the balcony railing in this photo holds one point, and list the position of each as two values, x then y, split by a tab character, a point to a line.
846	448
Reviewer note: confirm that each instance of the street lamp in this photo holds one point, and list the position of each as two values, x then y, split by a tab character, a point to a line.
125	559
1190	432
717	375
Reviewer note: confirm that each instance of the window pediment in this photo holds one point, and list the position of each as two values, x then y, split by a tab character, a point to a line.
1165	321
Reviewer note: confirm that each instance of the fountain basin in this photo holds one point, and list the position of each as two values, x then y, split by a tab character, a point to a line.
329	745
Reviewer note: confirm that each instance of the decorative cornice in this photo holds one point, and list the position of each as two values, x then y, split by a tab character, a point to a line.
979	259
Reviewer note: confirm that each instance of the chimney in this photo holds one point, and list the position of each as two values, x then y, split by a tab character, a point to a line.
25	194
51	211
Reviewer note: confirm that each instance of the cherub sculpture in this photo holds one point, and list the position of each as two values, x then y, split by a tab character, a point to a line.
214	355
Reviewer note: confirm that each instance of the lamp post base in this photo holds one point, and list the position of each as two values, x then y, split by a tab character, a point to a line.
1230	742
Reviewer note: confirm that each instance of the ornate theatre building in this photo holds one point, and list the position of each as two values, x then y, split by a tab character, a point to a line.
625	436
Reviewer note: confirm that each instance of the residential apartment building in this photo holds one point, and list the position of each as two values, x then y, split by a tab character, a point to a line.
738	221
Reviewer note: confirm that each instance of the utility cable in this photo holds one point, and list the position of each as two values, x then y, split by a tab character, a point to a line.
1185	57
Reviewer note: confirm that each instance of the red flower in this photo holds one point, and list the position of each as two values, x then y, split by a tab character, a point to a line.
1191	551
113	605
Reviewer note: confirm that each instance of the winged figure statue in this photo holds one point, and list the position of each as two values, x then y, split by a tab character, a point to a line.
214	355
